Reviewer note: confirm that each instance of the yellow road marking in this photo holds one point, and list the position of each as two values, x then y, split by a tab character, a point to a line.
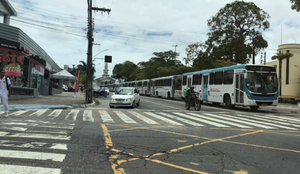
119	130
181	141
212	140
112	158
266	147
196	164
282	134
176	166
240	172
233	129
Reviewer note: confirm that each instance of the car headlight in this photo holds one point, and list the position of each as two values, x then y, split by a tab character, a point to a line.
128	99
112	99
249	97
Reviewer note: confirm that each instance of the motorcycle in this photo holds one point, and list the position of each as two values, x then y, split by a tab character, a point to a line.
194	102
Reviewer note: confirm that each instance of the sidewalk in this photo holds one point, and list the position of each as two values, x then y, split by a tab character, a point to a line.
63	101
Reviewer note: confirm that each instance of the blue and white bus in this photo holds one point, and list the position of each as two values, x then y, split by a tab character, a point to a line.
239	85
169	87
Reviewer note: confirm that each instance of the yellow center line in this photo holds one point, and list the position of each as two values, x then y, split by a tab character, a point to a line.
176	166
261	146
109	144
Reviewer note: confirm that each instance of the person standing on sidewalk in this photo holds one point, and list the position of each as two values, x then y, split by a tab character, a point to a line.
5	90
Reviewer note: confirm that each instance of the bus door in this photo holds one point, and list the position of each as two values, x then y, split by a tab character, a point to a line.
189	81
173	86
205	85
239	88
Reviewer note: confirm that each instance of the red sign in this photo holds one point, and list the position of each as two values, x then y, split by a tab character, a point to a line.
77	83
11	58
13	69
24	50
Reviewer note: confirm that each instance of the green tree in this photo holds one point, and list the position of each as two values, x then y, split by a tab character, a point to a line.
235	31
280	56
123	71
202	58
295	5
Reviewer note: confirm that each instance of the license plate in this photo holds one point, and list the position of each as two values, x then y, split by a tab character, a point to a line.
264	105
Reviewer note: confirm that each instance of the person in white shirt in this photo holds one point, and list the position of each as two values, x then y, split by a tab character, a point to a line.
5	91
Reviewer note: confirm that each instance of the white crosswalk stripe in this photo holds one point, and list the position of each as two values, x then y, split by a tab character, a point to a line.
203	120
106	117
5	168
18	113
48	145
153	117
181	119
72	115
270	124
39	112
244	121
55	113
87	116
221	121
124	117
164	119
145	119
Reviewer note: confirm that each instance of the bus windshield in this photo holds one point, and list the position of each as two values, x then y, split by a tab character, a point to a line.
262	82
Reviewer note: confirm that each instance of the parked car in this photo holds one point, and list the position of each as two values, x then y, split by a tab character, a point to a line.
64	88
125	96
71	89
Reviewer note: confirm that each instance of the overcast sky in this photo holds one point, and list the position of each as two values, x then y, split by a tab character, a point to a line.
136	28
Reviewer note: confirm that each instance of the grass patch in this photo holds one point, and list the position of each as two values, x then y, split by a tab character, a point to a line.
96	101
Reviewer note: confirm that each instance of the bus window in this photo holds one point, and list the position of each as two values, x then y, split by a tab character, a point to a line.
184	80
218	79
211	78
195	79
228	77
200	79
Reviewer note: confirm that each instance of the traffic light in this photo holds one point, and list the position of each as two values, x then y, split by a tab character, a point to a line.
108	59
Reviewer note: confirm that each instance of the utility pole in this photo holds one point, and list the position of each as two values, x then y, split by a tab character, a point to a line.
89	68
265	58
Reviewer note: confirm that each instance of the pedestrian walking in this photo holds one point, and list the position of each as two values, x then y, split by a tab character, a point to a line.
5	91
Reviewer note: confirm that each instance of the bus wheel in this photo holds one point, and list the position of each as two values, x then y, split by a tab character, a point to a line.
168	94
228	102
254	108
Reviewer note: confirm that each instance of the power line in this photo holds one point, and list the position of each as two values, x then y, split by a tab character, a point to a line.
49	28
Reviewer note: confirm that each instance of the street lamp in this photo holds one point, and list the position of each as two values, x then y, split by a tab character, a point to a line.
100	52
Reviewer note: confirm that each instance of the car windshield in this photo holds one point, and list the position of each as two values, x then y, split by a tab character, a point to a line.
124	91
262	82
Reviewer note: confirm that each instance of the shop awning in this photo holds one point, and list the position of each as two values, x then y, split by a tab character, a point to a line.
63	74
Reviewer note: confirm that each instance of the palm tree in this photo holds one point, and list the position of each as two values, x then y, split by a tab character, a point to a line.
280	56
82	67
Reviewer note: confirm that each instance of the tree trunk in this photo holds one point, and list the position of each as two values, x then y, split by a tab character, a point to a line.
280	69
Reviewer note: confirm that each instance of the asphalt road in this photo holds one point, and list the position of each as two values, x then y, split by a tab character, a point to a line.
159	136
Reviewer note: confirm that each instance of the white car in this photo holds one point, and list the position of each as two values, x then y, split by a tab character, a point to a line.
125	96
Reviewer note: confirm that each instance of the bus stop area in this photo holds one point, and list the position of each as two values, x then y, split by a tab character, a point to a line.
64	100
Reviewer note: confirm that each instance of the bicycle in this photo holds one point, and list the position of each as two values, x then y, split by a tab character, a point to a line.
194	102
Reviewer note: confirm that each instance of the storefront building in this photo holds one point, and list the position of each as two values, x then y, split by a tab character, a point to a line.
26	64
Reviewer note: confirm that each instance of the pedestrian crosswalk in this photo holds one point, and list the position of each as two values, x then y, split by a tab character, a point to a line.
33	145
228	119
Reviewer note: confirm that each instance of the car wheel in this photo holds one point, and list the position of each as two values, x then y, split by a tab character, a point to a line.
111	106
138	104
133	104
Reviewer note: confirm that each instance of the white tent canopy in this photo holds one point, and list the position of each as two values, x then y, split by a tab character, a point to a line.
63	74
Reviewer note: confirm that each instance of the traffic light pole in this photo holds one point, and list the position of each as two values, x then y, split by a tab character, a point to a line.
89	68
